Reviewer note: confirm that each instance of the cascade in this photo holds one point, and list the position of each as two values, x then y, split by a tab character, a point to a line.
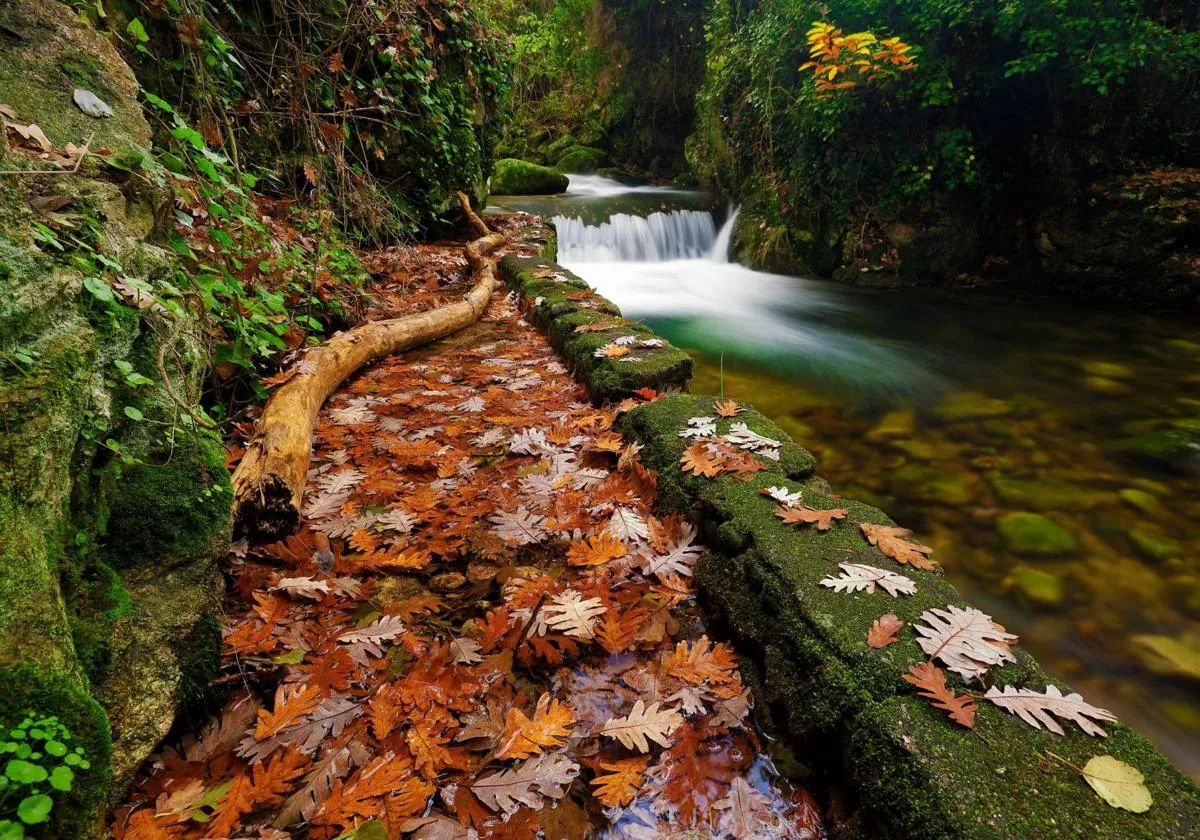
659	237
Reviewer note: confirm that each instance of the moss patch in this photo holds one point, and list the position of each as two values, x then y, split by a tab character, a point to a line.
519	177
176	509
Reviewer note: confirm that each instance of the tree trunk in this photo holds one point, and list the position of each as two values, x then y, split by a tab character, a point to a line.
269	482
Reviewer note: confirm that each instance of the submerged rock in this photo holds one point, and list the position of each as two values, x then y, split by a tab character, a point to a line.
520	177
1155	546
1107	370
931	483
970	405
1031	533
1046	494
1176	449
1036	585
1142	500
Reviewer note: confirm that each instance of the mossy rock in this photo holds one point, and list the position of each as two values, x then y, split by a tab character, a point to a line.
554	149
1031	533
1036	585
178	509
40	691
48	53
914	773
1046	494
580	160
563	301
519	177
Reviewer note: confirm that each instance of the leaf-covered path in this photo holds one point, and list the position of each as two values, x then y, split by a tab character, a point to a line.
480	631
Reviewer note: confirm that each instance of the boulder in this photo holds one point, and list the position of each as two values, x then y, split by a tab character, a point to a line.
581	160
520	177
1032	533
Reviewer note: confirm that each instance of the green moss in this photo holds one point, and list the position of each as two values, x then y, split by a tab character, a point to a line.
46	692
178	509
199	655
581	160
519	177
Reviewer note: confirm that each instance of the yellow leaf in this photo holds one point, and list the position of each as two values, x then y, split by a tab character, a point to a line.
1118	784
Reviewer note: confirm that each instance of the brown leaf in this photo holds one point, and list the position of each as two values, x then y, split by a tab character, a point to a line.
883	631
727	408
891	542
801	515
931	680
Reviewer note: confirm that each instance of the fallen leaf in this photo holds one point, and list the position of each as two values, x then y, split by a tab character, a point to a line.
967	641
931	680
801	515
857	577
642	725
1119	784
883	631
727	408
890	540
1039	710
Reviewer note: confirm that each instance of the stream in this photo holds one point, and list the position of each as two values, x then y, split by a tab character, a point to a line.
1045	450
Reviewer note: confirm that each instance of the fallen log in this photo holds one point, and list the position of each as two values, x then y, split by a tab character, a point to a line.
269	481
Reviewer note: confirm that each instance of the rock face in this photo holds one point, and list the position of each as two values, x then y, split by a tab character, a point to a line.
519	177
109	526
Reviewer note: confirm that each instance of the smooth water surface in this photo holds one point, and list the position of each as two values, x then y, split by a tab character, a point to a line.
1045	450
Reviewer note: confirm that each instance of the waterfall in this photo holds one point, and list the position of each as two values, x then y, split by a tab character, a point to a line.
720	249
659	237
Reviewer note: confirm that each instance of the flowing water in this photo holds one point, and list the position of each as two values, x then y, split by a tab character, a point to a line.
1047	451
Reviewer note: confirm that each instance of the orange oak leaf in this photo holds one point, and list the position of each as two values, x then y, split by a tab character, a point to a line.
801	515
291	703
891	542
703	662
618	787
931	680
697	460
523	737
883	631
359	797
727	408
596	551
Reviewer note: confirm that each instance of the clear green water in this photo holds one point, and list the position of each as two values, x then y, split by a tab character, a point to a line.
1050	453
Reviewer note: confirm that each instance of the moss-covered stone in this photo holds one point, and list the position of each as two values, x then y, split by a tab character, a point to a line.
1045	493
1173	448
1036	585
519	177
178	508
563	302
1031	533
915	774
580	160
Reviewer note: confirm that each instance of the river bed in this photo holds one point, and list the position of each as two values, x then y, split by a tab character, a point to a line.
1047	451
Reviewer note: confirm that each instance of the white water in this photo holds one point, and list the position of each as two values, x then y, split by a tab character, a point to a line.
595	185
676	266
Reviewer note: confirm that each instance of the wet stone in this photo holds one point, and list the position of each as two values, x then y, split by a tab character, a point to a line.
1036	585
1031	533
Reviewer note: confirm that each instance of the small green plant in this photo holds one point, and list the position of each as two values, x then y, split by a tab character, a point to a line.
39	761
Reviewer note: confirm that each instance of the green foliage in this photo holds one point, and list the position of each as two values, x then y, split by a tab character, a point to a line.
619	74
376	108
45	767
1005	94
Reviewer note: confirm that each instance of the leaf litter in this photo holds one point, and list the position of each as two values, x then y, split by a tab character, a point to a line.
481	626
